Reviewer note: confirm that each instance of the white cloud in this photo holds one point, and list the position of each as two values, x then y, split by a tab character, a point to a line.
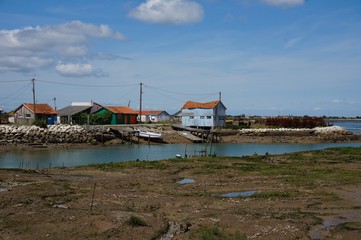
78	70
284	3
291	42
31	48
168	11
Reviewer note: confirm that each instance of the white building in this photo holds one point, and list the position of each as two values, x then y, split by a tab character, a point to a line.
207	115
154	116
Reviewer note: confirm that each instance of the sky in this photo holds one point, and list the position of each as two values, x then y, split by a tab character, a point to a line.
261	57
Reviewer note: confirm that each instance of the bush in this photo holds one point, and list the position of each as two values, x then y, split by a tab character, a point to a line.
103	119
40	123
135	221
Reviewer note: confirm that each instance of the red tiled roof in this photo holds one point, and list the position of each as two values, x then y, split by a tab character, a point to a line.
40	108
121	109
150	112
207	105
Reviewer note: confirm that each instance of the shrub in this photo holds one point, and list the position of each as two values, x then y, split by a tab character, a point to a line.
40	123
135	221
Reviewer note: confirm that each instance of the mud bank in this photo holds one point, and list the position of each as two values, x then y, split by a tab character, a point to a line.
311	195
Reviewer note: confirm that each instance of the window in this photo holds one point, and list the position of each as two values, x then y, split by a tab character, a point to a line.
191	117
202	117
209	117
28	115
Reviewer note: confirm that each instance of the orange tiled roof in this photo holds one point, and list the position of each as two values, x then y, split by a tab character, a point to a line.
40	108
150	112
207	105
121	109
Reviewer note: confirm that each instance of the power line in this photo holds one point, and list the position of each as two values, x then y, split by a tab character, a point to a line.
187	94
12	81
18	90
87	85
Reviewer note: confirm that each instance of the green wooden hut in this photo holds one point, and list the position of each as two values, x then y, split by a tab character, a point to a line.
120	114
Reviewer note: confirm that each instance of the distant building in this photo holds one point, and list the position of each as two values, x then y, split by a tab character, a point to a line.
154	116
207	115
73	114
120	114
24	114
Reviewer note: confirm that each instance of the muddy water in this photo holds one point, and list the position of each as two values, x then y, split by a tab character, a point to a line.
121	153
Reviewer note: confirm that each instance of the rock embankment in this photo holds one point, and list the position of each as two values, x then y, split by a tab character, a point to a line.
10	134
296	131
295	135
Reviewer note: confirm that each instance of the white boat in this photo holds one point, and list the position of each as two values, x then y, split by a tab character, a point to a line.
151	135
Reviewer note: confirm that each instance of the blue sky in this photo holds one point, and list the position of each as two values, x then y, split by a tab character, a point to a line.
266	57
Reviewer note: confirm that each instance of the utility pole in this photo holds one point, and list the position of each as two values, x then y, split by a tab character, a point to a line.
140	102
33	81
54	103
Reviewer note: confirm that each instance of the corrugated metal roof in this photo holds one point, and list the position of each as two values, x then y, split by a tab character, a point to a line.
40	108
121	109
72	110
207	105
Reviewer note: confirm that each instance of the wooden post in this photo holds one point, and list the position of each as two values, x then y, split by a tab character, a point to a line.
92	202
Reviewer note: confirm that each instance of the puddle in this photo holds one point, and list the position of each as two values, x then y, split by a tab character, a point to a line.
328	224
3	190
236	194
186	181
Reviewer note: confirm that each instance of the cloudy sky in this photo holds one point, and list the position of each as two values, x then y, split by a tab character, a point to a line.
266	57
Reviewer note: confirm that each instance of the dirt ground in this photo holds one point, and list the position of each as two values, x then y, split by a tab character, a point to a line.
310	195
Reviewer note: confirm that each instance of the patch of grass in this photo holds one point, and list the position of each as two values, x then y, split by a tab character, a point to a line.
162	231
214	232
277	194
136	221
136	164
350	226
216	166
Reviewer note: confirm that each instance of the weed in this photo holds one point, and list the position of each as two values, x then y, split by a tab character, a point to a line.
136	221
158	234
350	226
214	232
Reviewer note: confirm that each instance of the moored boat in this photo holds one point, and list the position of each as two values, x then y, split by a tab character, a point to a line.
151	135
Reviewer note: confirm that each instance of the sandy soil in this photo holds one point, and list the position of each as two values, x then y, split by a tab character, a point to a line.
312	195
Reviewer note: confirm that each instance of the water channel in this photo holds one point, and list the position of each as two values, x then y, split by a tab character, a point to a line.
120	153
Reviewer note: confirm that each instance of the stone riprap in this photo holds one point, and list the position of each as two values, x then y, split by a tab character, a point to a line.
297	131
54	134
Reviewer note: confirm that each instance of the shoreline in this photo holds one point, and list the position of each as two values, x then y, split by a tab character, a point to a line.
244	136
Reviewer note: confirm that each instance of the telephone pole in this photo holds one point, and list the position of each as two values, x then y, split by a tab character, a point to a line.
54	103
33	81
140	102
